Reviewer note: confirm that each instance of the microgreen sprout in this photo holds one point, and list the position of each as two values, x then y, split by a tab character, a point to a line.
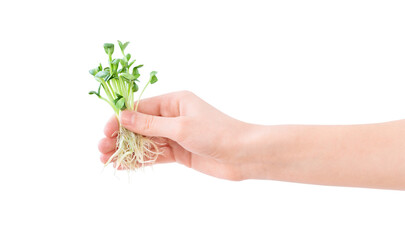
119	84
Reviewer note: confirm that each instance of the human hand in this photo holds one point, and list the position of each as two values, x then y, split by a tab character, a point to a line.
191	132
195	134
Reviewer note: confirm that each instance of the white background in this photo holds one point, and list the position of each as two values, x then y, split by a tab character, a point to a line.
267	62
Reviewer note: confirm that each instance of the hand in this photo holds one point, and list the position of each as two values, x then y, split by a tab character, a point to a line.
197	135
192	133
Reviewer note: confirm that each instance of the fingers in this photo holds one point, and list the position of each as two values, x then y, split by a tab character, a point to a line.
167	105
149	125
112	127
107	145
105	157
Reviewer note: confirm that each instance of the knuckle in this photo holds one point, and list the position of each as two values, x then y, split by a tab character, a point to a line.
148	123
182	128
186	93
168	109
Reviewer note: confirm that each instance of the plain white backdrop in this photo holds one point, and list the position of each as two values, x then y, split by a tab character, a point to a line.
265	62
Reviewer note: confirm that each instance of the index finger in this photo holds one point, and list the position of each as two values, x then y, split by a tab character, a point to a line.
167	105
112	127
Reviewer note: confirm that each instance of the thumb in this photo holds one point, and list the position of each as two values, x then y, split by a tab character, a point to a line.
150	125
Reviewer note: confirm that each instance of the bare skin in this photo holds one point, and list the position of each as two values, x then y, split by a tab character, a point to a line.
197	135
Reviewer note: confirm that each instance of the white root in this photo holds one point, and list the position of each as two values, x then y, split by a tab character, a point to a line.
133	151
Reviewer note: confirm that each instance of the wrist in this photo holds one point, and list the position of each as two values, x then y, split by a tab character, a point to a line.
265	150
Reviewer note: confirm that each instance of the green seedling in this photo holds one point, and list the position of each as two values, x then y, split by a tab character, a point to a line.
119	83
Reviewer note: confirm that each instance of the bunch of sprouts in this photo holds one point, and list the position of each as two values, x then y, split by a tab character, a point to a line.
119	83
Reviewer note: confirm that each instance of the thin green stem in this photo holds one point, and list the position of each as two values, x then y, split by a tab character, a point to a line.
120	86
110	62
111	88
114	84
106	89
112	105
140	95
130	97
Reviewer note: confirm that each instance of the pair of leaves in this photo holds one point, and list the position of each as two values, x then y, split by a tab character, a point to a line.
114	65
124	62
94	71
96	93
109	48
123	46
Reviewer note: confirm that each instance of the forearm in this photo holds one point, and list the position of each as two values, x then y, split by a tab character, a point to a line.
370	155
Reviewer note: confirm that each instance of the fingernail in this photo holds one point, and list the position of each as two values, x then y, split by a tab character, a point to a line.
126	117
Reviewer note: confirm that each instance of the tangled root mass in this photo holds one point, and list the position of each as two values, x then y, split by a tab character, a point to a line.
134	151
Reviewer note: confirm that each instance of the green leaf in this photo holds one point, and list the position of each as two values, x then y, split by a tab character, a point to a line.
123	46
120	104
135	72
95	93
118	98
108	78
135	87
139	66
121	70
127	76
109	48
93	71
129	65
128	56
136	76
100	67
115	61
124	62
102	74
153	79
114	66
